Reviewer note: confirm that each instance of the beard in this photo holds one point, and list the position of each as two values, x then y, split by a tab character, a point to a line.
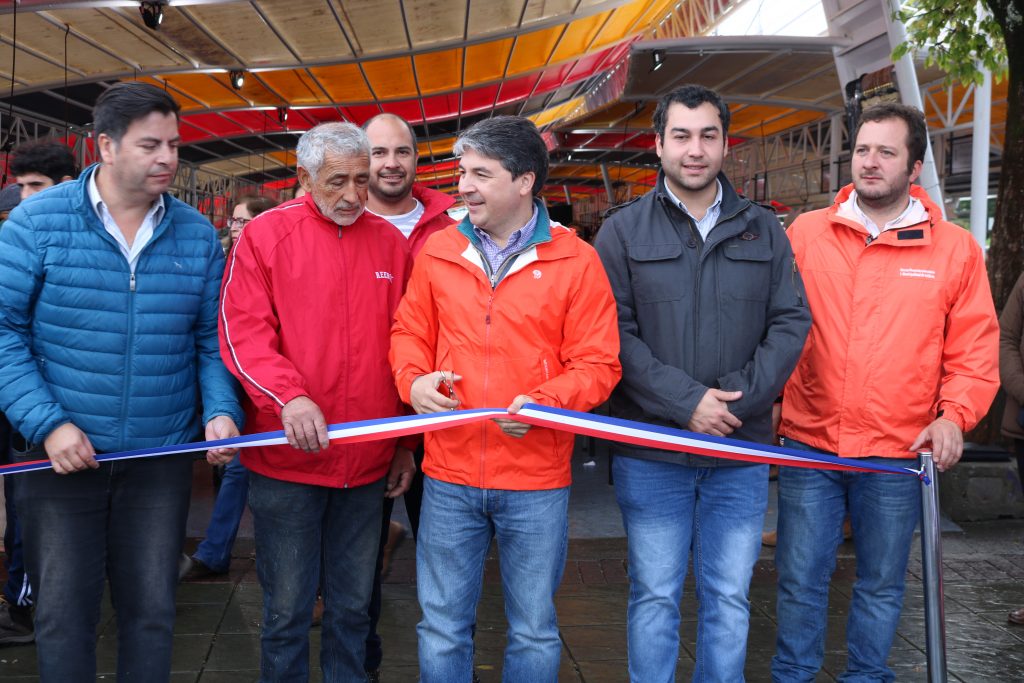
886	194
333	212
382	191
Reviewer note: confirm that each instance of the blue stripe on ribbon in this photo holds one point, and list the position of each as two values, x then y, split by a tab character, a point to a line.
851	463
391	427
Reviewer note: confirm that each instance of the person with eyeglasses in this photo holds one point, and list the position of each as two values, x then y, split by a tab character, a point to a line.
213	556
247	208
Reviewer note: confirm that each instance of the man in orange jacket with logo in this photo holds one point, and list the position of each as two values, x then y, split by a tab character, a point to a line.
504	309
903	355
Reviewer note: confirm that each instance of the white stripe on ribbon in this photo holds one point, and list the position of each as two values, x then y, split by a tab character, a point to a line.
613	429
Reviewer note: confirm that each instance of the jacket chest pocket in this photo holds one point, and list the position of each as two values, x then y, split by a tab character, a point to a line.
746	271
656	272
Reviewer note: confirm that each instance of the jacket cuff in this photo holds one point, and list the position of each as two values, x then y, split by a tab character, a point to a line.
953	413
285	396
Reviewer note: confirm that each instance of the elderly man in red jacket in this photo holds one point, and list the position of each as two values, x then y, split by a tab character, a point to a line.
306	308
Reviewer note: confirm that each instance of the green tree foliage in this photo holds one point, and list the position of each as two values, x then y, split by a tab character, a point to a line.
956	37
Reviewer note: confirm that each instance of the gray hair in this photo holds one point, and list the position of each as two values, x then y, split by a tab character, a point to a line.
342	138
511	140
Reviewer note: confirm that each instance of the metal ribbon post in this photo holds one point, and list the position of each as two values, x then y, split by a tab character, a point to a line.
931	561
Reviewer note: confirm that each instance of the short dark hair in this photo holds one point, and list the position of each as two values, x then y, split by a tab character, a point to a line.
256	205
46	157
917	129
690	96
126	102
511	140
394	117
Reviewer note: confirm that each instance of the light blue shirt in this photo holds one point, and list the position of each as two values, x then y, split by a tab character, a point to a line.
142	237
496	255
705	224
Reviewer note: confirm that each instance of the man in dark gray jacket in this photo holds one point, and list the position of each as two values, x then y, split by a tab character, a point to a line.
712	319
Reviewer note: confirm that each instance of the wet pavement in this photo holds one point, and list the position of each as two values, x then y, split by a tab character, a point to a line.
216	634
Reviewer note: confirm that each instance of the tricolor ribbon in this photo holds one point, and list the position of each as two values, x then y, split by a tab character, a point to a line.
610	428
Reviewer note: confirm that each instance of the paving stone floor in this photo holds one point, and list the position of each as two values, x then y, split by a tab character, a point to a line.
216	634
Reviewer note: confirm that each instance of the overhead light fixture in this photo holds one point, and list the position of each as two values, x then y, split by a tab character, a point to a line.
237	79
152	14
282	115
658	58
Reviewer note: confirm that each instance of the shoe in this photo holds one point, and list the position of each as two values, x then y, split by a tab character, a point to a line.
194	569
15	624
396	534
1016	616
476	679
373	676
769	538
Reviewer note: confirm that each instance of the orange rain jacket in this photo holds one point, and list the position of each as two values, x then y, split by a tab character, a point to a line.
904	330
547	328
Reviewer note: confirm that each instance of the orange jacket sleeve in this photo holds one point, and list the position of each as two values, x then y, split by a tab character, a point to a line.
970	352
414	333
590	347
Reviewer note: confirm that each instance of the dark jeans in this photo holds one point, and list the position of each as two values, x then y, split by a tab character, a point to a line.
306	534
125	522
17	590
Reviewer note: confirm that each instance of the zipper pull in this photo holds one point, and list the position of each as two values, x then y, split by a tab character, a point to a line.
131	283
339	232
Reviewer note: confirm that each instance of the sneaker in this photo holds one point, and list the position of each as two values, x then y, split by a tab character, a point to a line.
15	624
194	569
373	676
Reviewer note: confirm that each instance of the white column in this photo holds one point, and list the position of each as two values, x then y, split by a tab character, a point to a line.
979	157
906	79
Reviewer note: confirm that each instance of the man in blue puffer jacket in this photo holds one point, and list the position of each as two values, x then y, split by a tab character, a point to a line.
108	334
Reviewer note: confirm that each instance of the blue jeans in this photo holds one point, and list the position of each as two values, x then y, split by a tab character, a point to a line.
457	524
668	510
125	522
308	535
215	550
884	510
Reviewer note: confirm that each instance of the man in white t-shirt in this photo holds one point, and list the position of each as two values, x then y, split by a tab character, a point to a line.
418	212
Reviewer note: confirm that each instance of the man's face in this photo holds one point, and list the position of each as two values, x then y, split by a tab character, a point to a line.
493	197
392	159
145	160
339	188
693	147
880	162
32	183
